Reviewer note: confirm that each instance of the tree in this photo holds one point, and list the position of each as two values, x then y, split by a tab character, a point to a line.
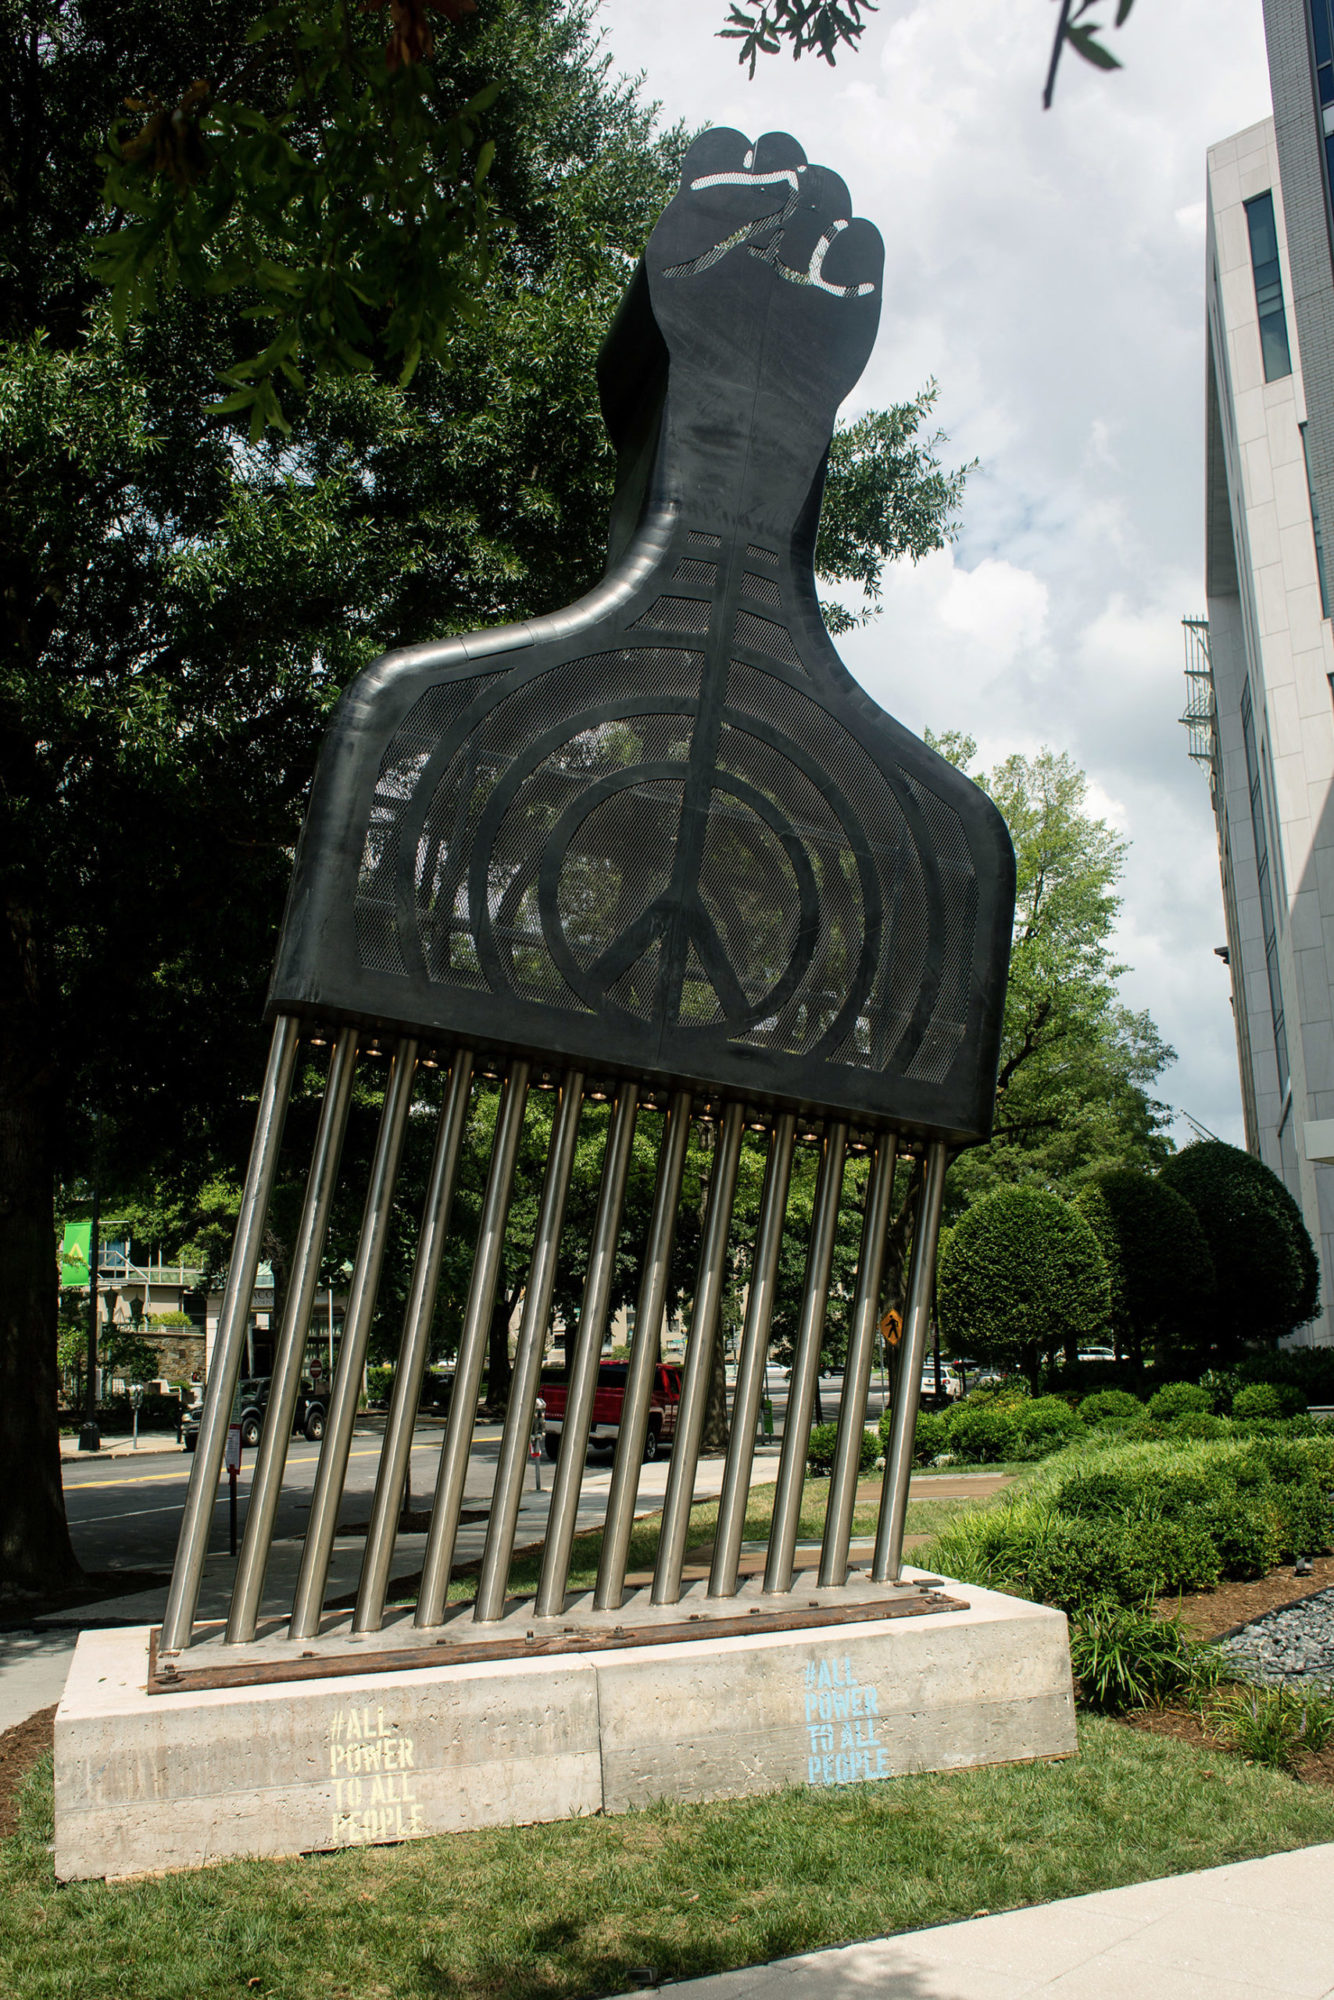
1158	1261
184	606
1076	1066
1266	1266
819	27
1021	1277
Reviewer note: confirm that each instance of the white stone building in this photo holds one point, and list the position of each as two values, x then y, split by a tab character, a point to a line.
1263	666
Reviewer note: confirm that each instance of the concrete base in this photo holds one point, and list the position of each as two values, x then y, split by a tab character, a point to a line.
148	1782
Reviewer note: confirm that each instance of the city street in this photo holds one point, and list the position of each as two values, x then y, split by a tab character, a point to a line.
124	1513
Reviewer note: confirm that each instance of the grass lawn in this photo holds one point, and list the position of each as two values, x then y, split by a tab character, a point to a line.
926	1516
577	1908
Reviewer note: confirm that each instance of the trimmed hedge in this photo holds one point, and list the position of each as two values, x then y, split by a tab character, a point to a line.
1021	1276
1158	1261
820	1450
987	1430
1264	1261
1174	1399
1137	1522
1110	1406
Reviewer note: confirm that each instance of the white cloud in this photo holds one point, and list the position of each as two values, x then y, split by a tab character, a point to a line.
1047	269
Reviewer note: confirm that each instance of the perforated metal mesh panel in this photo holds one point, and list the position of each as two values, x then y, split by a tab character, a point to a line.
664	831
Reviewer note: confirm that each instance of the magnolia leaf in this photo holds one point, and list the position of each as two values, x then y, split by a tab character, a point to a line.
1081	40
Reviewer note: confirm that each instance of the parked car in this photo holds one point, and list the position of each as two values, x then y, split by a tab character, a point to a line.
609	1403
308	1418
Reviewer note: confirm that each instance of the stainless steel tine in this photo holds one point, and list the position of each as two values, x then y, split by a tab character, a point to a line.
699	1360
229	1345
534	1324
583	1374
452	1473
750	1369
908	1386
633	1430
330	1473
857	1369
285	1382
415	1347
781	1555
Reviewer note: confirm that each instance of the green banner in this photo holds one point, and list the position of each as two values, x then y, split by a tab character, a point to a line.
74	1254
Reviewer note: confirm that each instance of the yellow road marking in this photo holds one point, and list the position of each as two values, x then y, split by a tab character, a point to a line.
155	1478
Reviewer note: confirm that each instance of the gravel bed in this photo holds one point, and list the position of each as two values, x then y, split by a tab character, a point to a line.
1294	1646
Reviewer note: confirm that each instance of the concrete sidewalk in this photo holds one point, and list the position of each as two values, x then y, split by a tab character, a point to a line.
121	1447
1256	1930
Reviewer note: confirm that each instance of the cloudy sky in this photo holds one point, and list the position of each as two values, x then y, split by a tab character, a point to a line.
1047	269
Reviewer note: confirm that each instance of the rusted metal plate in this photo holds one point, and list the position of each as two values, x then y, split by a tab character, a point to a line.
317	1665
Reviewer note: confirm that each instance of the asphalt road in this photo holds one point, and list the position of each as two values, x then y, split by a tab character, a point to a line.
125	1515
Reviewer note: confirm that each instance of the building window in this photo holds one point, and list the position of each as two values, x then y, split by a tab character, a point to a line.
1268	287
1316	530
1262	871
1322	34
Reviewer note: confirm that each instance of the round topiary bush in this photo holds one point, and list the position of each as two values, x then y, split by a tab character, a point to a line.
1020	1278
1199	1424
984	1432
1268	1278
1268	1399
1175	1398
1158	1263
1045	1424
1110	1406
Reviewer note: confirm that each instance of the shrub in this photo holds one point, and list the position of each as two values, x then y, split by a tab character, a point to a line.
823	1440
1110	1406
1305	1520
1199	1424
1269	1399
1100	1494
983	1432
1181	1554
1265	1264
1044	1425
1123	1657
1245	1536
1020	1278
1175	1398
1158	1262
379	1384
931	1440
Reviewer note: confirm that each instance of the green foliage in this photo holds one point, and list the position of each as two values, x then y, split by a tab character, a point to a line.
1130	1522
1264	1261
1268	1399
820	26
1245	1535
1076	1066
1158	1262
814	26
1020	1277
1310	1369
124	1354
931	1439
1123	1657
1275	1725
820	1450
379	1385
886	496
335	188
1174	1399
1110	1406
1197	1424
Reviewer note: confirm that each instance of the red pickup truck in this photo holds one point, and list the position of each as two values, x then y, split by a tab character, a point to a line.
608	1403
